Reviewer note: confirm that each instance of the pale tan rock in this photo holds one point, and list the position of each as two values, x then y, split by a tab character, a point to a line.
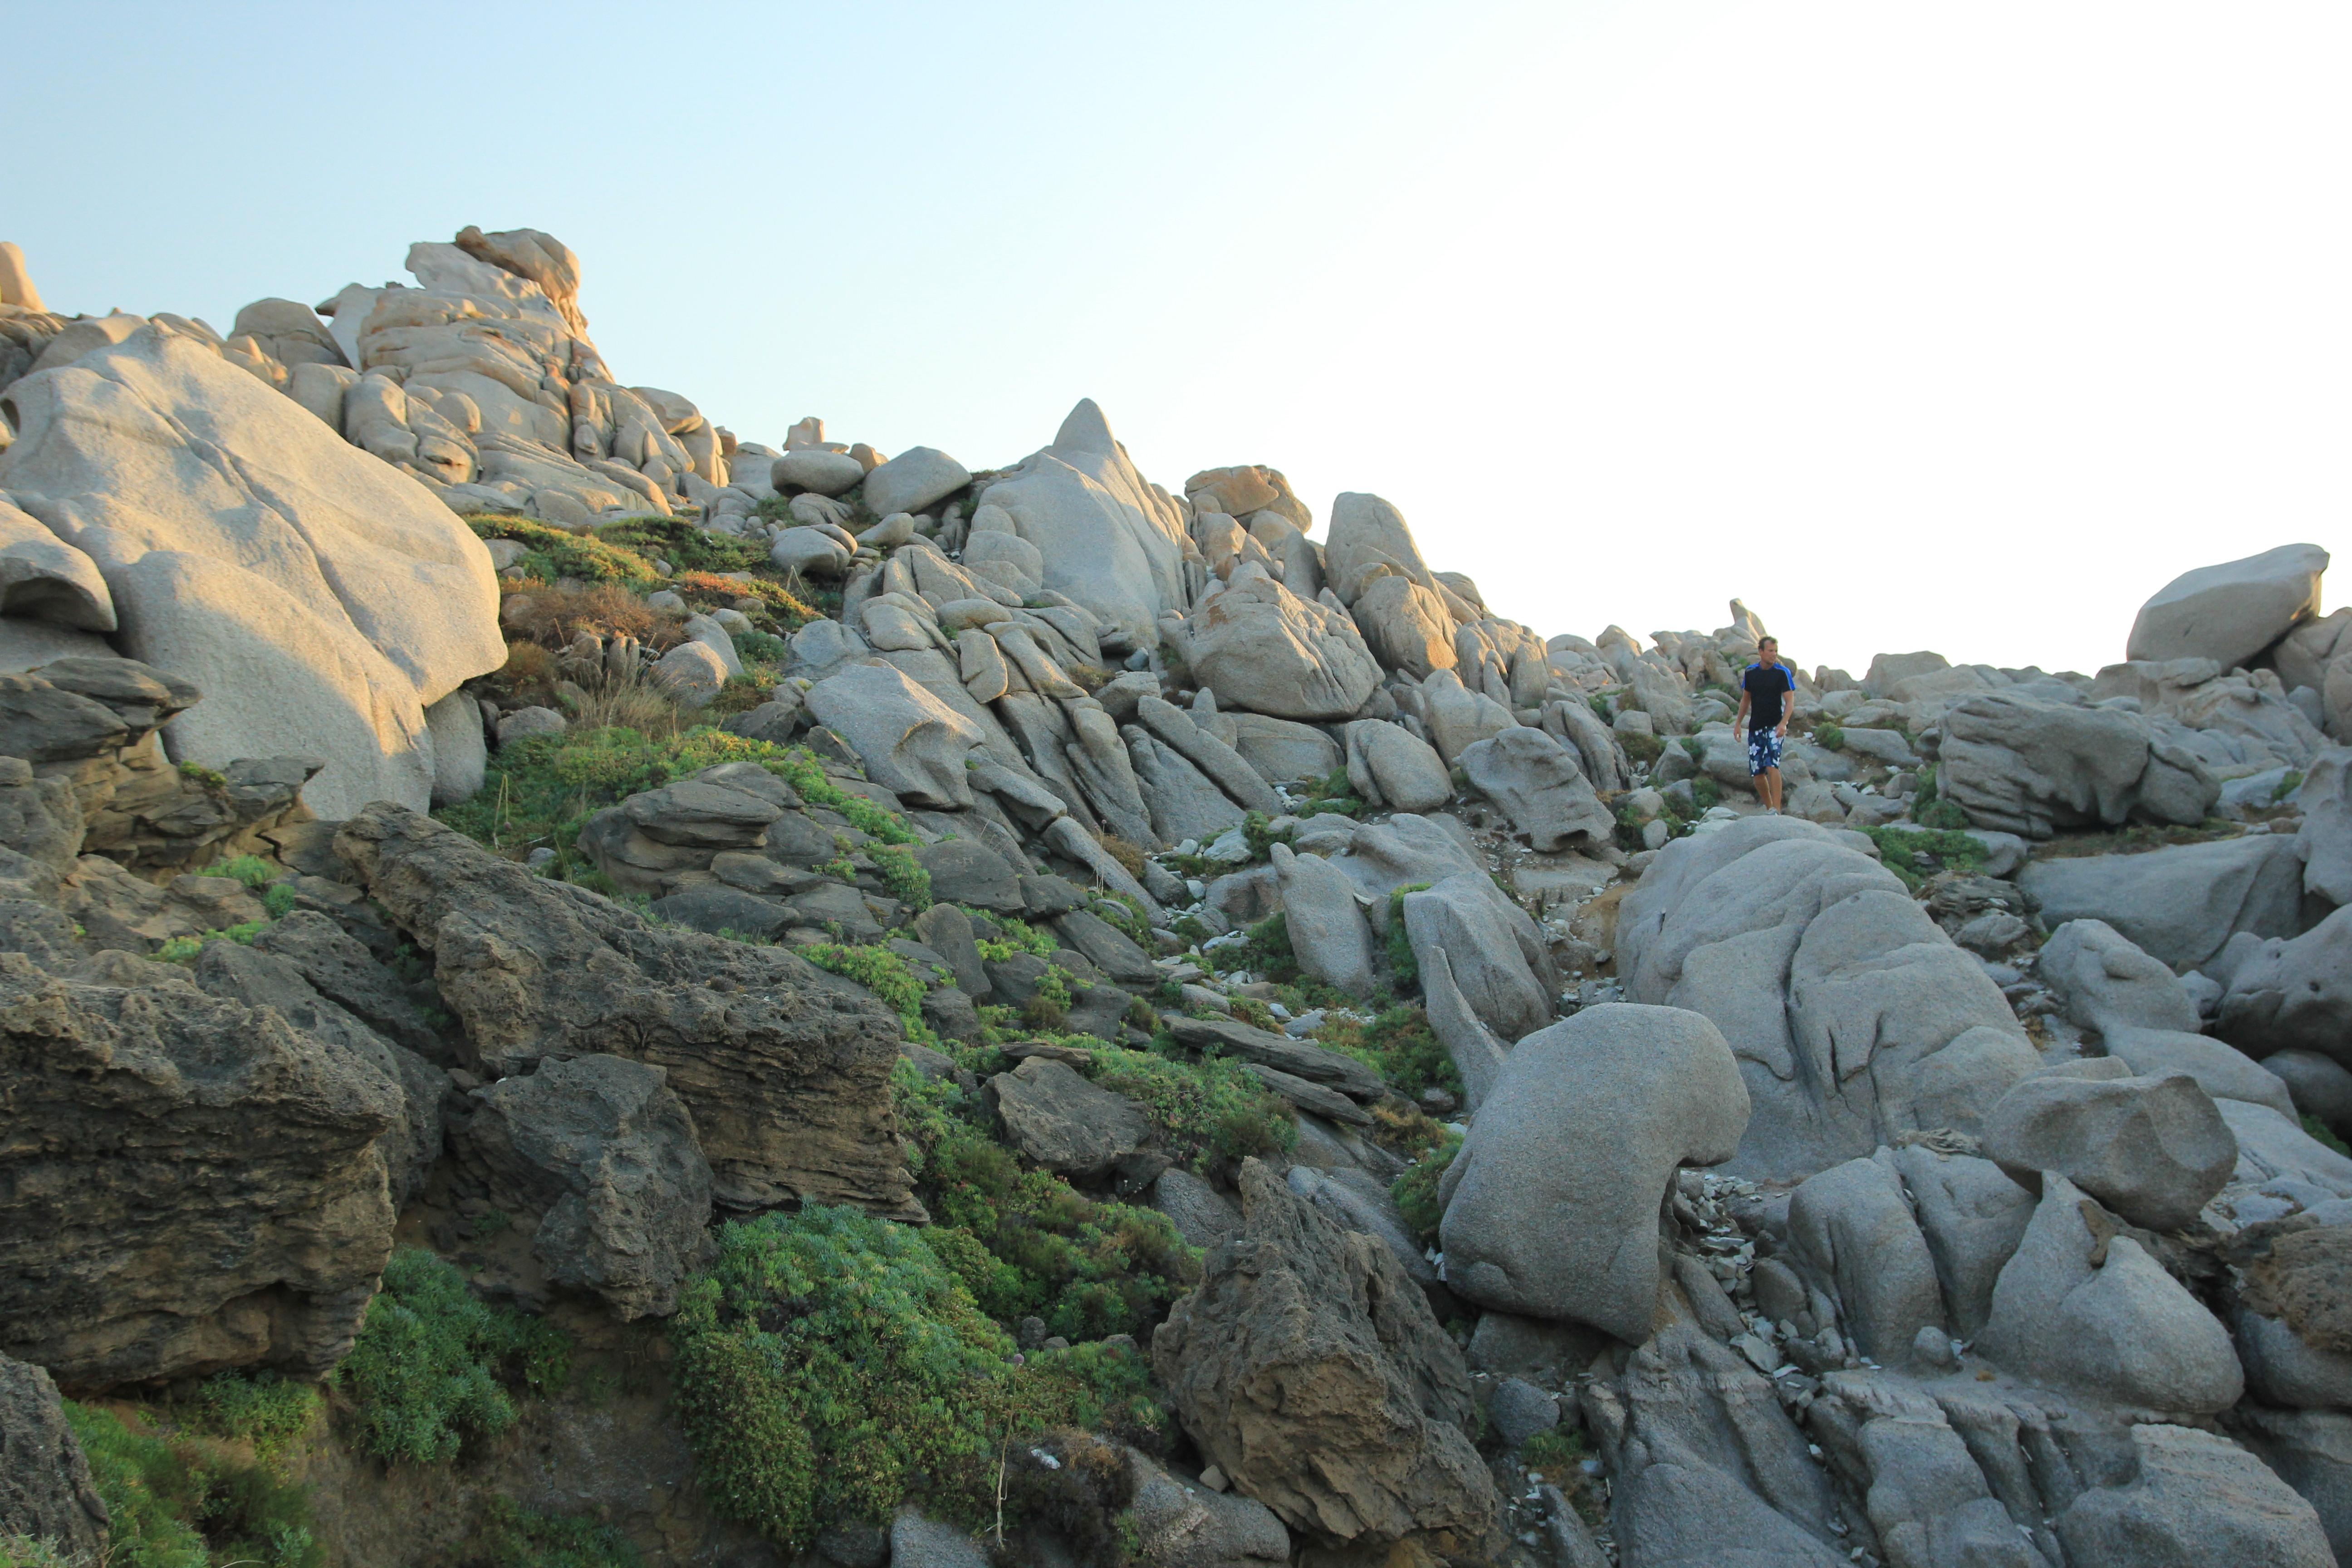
17	279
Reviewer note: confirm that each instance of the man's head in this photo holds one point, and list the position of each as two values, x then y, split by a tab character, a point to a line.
1768	650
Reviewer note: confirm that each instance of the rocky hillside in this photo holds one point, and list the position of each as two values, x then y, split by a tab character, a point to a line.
576	989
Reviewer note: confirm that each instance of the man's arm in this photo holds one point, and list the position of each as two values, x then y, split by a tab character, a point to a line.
1788	702
1739	719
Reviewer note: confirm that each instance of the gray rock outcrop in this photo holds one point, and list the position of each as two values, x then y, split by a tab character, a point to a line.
46	1492
787	1077
2155	1150
1308	1368
600	1150
1551	1207
2181	904
1541	788
2019	765
2230	612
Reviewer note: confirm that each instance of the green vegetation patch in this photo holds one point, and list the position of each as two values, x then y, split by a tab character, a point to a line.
877	969
1212	1109
181	1502
550	553
1401	1046
1416	1191
433	1366
1402	964
686	546
262	1409
2136	839
514	1537
1899	848
829	1364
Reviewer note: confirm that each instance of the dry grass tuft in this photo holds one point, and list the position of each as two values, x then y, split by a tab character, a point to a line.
554	615
1127	854
633	705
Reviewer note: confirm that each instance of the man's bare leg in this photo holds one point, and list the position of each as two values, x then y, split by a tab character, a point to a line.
1770	779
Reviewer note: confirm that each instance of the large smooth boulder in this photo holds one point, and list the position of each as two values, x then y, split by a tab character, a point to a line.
320	597
42	578
1328	933
1263	650
2325	836
1972	1213
1405	627
912	744
2294	994
2155	1150
1853	1015
2230	612
600	1150
1852	1227
785	1072
1055	1117
1369	539
1460	915
194	1183
1308	1368
46	1490
1459	718
1539	786
1107	538
2194	1500
1551	1207
2105	983
2181	904
1283	752
914	481
2311	1450
2089	1309
1390	767
2019	765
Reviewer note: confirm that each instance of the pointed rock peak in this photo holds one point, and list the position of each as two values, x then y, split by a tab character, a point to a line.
16	282
1086	430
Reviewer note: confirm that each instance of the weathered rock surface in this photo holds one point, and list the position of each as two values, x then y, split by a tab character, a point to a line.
2196	1499
605	1155
193	1184
912	744
2018	765
2181	904
1854	1017
1541	788
2294	994
1852	1227
46	1490
1491	968
2155	1150
1328	933
2230	612
1551	1207
320	599
1387	766
786	1078
1308	1368
1263	650
2084	1307
1058	1119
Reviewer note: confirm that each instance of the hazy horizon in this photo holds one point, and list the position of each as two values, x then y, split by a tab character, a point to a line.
1964	331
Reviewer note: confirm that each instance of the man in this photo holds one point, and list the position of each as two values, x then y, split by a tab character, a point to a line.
1767	689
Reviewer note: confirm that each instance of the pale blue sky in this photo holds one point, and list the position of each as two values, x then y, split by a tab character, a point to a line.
1959	327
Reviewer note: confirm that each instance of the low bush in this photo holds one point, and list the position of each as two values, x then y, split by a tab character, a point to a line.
433	1365
1402	964
902	874
829	1364
180	1501
262	1409
1012	936
1640	748
1415	1192
1829	737
1213	1109
1899	850
686	546
1401	1046
550	553
2322	1133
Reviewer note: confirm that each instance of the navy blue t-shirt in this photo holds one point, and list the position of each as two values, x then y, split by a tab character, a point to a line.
1764	683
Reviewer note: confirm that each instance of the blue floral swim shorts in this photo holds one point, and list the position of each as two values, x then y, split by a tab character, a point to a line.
1763	751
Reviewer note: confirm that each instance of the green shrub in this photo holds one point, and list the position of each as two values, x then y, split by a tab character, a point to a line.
1929	809
1706	793
514	1537
1401	1046
1402	963
1554	1450
544	789
264	1409
828	1364
1259	834
182	1502
250	870
186	949
877	969
432	1364
211	778
2288	783
1599	703
1416	1191
902	874
1267	953
1695	748
685	545
1207	1110
1012	936
1898	847
1640	748
1829	737
551	552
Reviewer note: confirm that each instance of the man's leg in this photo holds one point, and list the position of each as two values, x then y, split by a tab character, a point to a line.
1770	780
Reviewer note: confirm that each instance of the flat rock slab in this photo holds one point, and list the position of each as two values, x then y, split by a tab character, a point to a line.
1062	1122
